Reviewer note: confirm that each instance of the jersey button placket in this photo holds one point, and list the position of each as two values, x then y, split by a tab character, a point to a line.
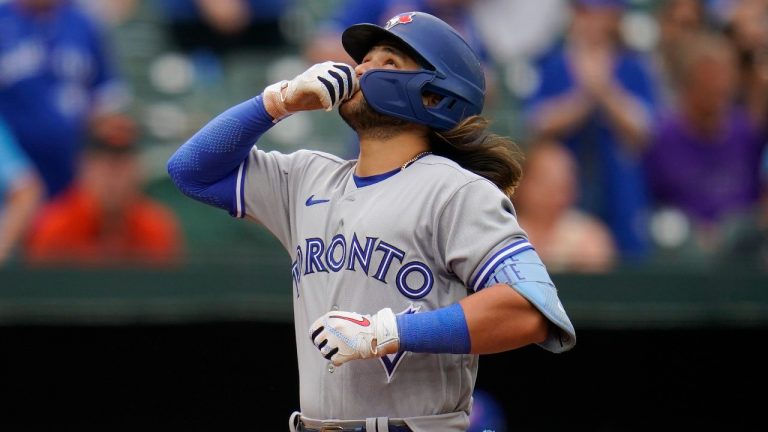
331	367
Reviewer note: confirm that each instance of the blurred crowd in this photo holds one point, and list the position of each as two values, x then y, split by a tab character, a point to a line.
71	189
644	122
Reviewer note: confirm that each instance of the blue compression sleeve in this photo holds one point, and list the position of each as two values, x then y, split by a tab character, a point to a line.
205	167
440	331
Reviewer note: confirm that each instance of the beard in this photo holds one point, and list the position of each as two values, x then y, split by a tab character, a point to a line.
369	123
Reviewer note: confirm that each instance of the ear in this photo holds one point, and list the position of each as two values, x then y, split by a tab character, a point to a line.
431	99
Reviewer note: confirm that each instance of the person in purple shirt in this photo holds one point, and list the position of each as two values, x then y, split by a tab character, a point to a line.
56	77
705	158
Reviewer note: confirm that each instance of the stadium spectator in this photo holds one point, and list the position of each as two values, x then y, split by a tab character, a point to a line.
105	218
56	78
519	29
111	13
224	25
598	98
566	238
746	25
705	158
678	21
20	194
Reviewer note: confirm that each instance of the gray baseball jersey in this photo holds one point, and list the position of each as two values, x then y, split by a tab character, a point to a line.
419	240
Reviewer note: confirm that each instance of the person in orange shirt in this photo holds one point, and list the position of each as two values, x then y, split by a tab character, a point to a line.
105	218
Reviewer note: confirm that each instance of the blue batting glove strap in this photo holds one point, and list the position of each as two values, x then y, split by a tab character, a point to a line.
440	331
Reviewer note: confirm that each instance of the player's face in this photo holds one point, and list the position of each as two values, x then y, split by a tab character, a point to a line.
356	111
383	56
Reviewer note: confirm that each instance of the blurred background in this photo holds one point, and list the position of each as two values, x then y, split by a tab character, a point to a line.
644	124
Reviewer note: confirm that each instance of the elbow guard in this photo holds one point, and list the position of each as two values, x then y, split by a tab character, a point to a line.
527	275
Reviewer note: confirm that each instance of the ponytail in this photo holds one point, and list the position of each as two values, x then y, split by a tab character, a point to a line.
491	156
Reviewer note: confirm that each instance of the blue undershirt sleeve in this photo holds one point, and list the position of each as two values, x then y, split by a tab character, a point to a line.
207	166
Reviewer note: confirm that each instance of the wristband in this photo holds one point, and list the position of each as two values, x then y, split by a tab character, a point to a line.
440	331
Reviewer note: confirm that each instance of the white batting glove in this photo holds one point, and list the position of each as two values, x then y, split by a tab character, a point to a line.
324	85
345	336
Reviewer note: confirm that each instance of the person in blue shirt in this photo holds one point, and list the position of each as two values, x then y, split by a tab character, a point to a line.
598	98
20	193
56	78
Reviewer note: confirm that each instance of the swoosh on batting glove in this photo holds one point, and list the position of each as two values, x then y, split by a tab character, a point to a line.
363	322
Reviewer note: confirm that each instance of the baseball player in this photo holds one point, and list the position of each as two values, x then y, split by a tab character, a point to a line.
407	262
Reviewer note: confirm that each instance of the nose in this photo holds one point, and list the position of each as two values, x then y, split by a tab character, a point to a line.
362	68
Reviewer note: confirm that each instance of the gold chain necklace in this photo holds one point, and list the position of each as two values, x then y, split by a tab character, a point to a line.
414	159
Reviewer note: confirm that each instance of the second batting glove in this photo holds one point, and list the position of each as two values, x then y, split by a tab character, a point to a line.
324	85
345	336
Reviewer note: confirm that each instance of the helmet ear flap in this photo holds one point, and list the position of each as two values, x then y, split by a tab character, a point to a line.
397	93
408	94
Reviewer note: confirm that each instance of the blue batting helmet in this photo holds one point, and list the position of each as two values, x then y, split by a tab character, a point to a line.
451	69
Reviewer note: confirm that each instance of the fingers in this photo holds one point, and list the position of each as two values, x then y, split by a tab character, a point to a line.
339	82
344	336
320	339
337	345
324	85
346	79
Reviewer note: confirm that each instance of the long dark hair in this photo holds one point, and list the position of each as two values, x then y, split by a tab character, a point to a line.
474	148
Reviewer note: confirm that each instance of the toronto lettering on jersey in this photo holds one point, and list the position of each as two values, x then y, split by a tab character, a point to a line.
374	257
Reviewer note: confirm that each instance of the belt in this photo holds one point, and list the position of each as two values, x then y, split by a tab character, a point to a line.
392	428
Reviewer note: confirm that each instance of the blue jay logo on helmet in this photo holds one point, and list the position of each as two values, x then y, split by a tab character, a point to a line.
399	19
451	70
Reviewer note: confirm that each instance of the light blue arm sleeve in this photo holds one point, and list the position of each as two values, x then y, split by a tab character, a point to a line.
526	274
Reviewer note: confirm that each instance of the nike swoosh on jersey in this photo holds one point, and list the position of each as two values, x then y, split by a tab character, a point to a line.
311	201
363	322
